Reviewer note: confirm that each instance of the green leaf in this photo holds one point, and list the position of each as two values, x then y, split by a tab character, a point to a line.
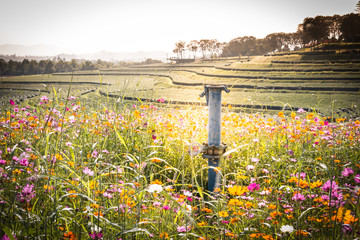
121	139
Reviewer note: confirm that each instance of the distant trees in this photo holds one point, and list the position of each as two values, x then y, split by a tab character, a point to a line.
57	65
207	47
310	32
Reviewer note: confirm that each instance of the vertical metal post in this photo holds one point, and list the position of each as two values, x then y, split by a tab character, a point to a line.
214	149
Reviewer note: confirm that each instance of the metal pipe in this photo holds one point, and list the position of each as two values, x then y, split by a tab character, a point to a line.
214	149
214	130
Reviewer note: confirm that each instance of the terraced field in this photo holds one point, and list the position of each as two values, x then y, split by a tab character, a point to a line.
324	82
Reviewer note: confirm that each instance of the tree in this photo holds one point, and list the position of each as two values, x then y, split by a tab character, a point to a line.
49	67
25	67
204	46
179	48
247	45
317	29
193	46
350	27
87	65
3	67
334	26
357	9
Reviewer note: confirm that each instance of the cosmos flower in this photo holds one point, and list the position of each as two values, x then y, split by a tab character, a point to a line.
155	188
287	228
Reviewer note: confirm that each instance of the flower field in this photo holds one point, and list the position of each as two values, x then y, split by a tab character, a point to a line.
79	169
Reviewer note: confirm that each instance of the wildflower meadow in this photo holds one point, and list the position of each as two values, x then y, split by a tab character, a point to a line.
74	168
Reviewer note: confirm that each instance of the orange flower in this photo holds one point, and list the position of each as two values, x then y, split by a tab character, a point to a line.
164	235
70	235
207	210
156	160
157	182
271	206
302	233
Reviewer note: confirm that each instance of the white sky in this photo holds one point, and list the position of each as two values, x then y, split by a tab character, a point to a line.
85	26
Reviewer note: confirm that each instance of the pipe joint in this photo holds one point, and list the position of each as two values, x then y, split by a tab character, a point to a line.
213	87
213	152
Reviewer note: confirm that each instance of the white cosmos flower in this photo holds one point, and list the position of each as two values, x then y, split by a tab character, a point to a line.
155	188
287	228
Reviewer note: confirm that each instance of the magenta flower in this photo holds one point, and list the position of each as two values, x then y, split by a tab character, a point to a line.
24	162
347	172
357	178
12	102
253	186
95	235
27	193
166	207
298	197
327	185
161	100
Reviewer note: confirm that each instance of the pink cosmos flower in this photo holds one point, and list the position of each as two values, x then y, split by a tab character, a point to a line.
166	207
27	193
347	172
12	102
87	171
255	160
94	154
327	185
357	178
300	110
24	162
183	229
253	186
298	197
44	99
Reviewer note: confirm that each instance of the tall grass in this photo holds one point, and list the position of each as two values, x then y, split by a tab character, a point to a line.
81	169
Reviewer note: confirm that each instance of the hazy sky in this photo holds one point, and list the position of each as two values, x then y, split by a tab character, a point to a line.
84	26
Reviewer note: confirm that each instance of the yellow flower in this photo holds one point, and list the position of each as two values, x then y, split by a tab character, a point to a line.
281	114
318	183
223	214
235	202
237	190
202	223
